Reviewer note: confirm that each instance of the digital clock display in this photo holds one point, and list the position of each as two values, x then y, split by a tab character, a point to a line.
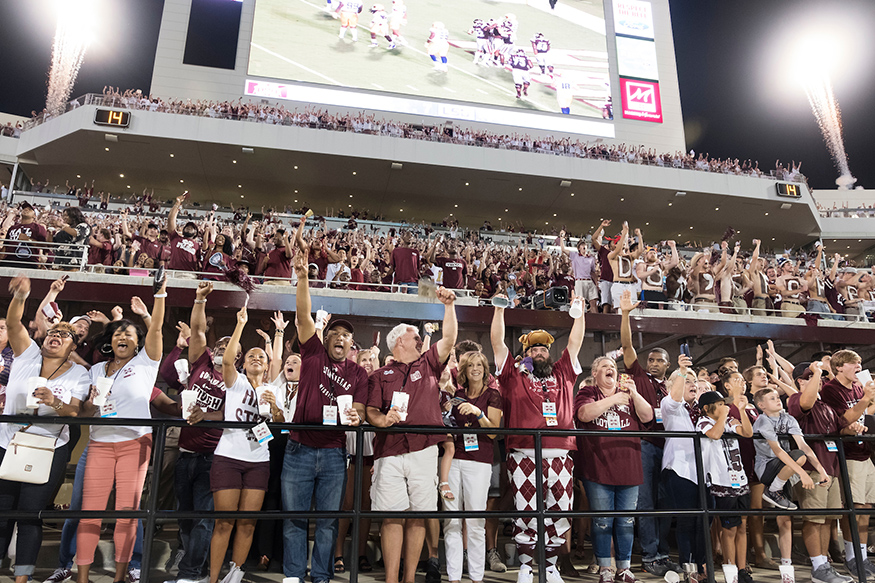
108	117
789	190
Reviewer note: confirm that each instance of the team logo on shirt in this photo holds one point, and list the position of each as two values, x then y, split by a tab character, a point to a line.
416	376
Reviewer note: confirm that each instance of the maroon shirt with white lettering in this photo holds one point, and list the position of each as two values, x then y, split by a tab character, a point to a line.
420	380
184	253
207	380
22	252
406	263
152	249
322	379
614	460
454	271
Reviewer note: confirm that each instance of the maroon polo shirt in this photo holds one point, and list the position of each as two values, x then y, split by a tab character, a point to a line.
488	398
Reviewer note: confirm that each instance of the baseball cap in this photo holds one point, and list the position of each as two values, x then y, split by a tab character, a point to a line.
341	322
712	397
77	318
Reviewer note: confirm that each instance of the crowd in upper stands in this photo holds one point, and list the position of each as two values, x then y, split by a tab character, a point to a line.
598	266
846	210
314	117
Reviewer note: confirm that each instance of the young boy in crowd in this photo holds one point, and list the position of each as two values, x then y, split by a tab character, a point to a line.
777	462
726	478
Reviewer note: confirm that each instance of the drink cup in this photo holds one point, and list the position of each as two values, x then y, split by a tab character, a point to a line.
499	302
104	385
291	579
321	316
263	408
510	553
576	309
344	402
864	376
182	371
671	576
189	399
33	383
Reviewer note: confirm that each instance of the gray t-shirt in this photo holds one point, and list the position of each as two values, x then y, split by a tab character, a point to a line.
778	428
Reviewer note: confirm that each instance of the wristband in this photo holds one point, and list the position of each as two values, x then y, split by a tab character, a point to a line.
164	295
280	332
22	297
58	406
481	416
203	301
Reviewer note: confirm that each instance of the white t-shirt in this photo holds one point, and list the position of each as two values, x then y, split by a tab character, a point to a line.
72	384
241	405
721	459
131	394
678	454
282	390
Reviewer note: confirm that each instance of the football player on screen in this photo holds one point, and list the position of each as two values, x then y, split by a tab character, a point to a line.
380	25
349	17
397	19
541	46
478	31
438	45
564	93
507	30
519	66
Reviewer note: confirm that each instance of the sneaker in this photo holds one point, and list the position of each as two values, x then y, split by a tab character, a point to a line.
494	560
235	575
172	564
671	565
465	562
525	575
606	575
133	575
656	568
826	574
851	566
625	576
778	500
432	571
744	576
59	576
553	575
836	552
393	46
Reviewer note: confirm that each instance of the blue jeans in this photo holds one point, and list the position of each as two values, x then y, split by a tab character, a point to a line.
652	531
71	525
193	493
621	530
309	473
412	286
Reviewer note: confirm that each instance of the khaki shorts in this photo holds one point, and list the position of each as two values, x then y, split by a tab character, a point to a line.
791	309
819	498
586	289
277	282
862	476
406	481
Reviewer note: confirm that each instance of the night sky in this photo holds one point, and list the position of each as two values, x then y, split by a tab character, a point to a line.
736	92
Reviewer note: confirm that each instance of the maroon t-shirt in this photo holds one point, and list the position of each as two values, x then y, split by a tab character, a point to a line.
612	461
322	379
184	253
488	398
420	380
524	396
841	398
207	380
279	265
745	445
606	272
406	262
454	271
654	392
100	255
820	419
356	276
564	280
22	251
152	249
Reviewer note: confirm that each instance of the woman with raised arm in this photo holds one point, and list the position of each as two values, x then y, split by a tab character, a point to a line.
241	465
62	386
119	455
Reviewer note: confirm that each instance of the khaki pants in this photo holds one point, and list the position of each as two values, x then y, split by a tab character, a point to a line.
791	309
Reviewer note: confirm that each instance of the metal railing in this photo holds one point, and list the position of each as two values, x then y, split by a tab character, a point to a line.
151	514
431	133
32	254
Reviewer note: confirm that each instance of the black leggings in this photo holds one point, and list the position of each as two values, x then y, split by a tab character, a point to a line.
682	494
22	496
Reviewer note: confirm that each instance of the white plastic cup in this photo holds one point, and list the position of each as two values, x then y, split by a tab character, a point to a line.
730	573
189	399
576	309
788	573
864	376
104	385
182	370
344	402
34	383
499	302
671	576
321	317
510	554
291	580
263	408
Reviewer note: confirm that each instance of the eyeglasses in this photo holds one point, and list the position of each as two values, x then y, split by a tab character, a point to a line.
59	334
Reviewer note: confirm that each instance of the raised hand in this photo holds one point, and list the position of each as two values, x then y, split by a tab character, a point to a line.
138	307
204	289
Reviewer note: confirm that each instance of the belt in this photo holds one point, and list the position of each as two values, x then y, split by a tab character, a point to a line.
788	301
761	297
702	299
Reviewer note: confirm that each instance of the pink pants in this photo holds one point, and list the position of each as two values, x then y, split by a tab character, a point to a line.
125	464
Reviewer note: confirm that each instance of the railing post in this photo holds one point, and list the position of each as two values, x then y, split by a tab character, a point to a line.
852	517
152	504
539	505
358	476
703	503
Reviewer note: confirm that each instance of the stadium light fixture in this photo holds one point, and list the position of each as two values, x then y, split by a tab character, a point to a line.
171	155
78	176
121	175
107	149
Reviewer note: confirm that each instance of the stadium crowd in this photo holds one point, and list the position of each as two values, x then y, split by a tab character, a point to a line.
107	365
362	122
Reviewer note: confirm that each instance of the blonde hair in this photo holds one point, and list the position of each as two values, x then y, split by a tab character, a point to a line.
841	358
466	361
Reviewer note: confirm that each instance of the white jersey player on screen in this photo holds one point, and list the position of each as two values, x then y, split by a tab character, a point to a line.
541	47
479	31
564	91
519	66
507	29
397	19
380	25
438	45
349	17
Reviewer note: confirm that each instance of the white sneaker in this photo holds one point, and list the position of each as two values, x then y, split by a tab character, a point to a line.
235	575
525	575
133	575
553	575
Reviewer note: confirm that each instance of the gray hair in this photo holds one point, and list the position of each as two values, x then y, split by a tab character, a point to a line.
396	333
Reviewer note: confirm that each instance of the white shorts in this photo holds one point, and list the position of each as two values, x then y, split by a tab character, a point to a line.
521	77
585	288
605	291
617	290
406	481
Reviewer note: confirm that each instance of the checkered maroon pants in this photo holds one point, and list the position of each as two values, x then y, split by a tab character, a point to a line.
558	495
